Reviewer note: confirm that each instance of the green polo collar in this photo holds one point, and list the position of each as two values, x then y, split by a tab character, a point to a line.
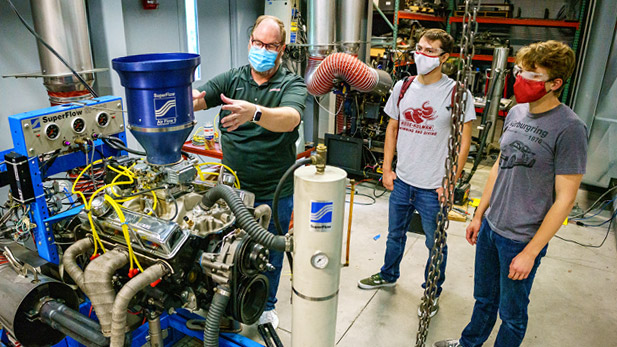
245	74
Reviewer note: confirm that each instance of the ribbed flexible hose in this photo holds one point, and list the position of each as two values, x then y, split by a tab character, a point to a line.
244	219
322	73
98	285
128	291
70	263
215	313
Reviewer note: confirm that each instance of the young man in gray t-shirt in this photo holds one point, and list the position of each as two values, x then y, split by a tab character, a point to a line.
530	190
419	129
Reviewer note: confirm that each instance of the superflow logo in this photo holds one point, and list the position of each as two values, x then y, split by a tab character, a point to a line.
35	123
321	215
165	108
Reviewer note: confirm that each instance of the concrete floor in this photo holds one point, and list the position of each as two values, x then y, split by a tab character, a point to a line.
573	301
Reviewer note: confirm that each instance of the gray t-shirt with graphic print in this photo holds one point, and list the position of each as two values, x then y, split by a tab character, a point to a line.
534	148
424	129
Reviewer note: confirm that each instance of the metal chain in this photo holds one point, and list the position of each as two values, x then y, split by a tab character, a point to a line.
448	182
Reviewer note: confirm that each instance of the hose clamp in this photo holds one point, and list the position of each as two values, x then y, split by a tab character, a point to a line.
288	243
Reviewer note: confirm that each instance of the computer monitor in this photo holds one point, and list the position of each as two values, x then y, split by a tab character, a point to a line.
344	152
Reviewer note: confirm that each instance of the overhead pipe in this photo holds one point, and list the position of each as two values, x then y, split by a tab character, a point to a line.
64	26
350	15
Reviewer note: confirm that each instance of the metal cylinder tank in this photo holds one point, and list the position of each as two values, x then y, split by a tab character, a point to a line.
64	26
498	68
319	209
20	296
350	16
159	101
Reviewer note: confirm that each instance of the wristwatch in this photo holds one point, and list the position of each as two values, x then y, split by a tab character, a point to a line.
257	115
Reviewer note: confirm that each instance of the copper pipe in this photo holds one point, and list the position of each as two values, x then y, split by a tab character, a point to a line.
353	190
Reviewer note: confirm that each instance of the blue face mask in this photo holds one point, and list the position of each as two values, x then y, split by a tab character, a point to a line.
262	59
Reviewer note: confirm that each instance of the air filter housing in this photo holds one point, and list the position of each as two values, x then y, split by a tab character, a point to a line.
159	101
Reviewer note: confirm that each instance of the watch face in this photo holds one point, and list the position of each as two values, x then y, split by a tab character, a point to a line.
257	115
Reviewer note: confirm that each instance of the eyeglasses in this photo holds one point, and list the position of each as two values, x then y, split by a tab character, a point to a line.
529	75
273	47
429	50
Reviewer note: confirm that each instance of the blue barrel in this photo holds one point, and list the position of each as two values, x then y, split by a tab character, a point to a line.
159	101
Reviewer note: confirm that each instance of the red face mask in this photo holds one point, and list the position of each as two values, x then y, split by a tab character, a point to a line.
528	91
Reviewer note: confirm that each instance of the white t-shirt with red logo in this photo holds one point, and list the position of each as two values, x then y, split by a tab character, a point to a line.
423	131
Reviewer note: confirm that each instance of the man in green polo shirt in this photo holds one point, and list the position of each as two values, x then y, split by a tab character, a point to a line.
263	104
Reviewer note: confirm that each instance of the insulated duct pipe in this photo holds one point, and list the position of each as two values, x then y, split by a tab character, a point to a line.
498	68
128	291
99	287
321	75
319	210
322	71
63	25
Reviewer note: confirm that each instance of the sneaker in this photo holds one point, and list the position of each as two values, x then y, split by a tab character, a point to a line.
447	343
269	317
374	282
434	309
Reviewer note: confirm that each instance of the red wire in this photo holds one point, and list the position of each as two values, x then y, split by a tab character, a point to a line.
90	313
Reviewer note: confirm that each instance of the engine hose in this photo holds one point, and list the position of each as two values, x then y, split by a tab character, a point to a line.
117	144
215	313
244	218
275	201
128	291
69	260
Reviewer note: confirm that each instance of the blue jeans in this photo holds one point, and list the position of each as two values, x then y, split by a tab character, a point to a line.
404	199
495	292
276	258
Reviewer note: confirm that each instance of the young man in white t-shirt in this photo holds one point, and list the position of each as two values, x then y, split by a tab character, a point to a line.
419	129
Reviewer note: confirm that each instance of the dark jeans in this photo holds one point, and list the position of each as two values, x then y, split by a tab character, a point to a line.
495	292
276	258
404	199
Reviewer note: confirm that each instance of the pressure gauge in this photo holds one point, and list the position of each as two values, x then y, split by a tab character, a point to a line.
319	260
78	125
102	119
52	131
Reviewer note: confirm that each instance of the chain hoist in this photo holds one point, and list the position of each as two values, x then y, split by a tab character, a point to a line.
469	28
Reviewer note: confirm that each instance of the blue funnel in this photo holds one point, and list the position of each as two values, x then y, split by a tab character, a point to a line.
159	101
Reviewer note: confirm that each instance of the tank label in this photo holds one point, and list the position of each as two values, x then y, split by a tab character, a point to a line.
321	216
165	108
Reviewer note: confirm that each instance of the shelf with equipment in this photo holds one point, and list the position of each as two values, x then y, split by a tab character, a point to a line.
521	21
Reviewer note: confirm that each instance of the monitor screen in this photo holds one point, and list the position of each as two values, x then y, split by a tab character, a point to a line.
344	152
